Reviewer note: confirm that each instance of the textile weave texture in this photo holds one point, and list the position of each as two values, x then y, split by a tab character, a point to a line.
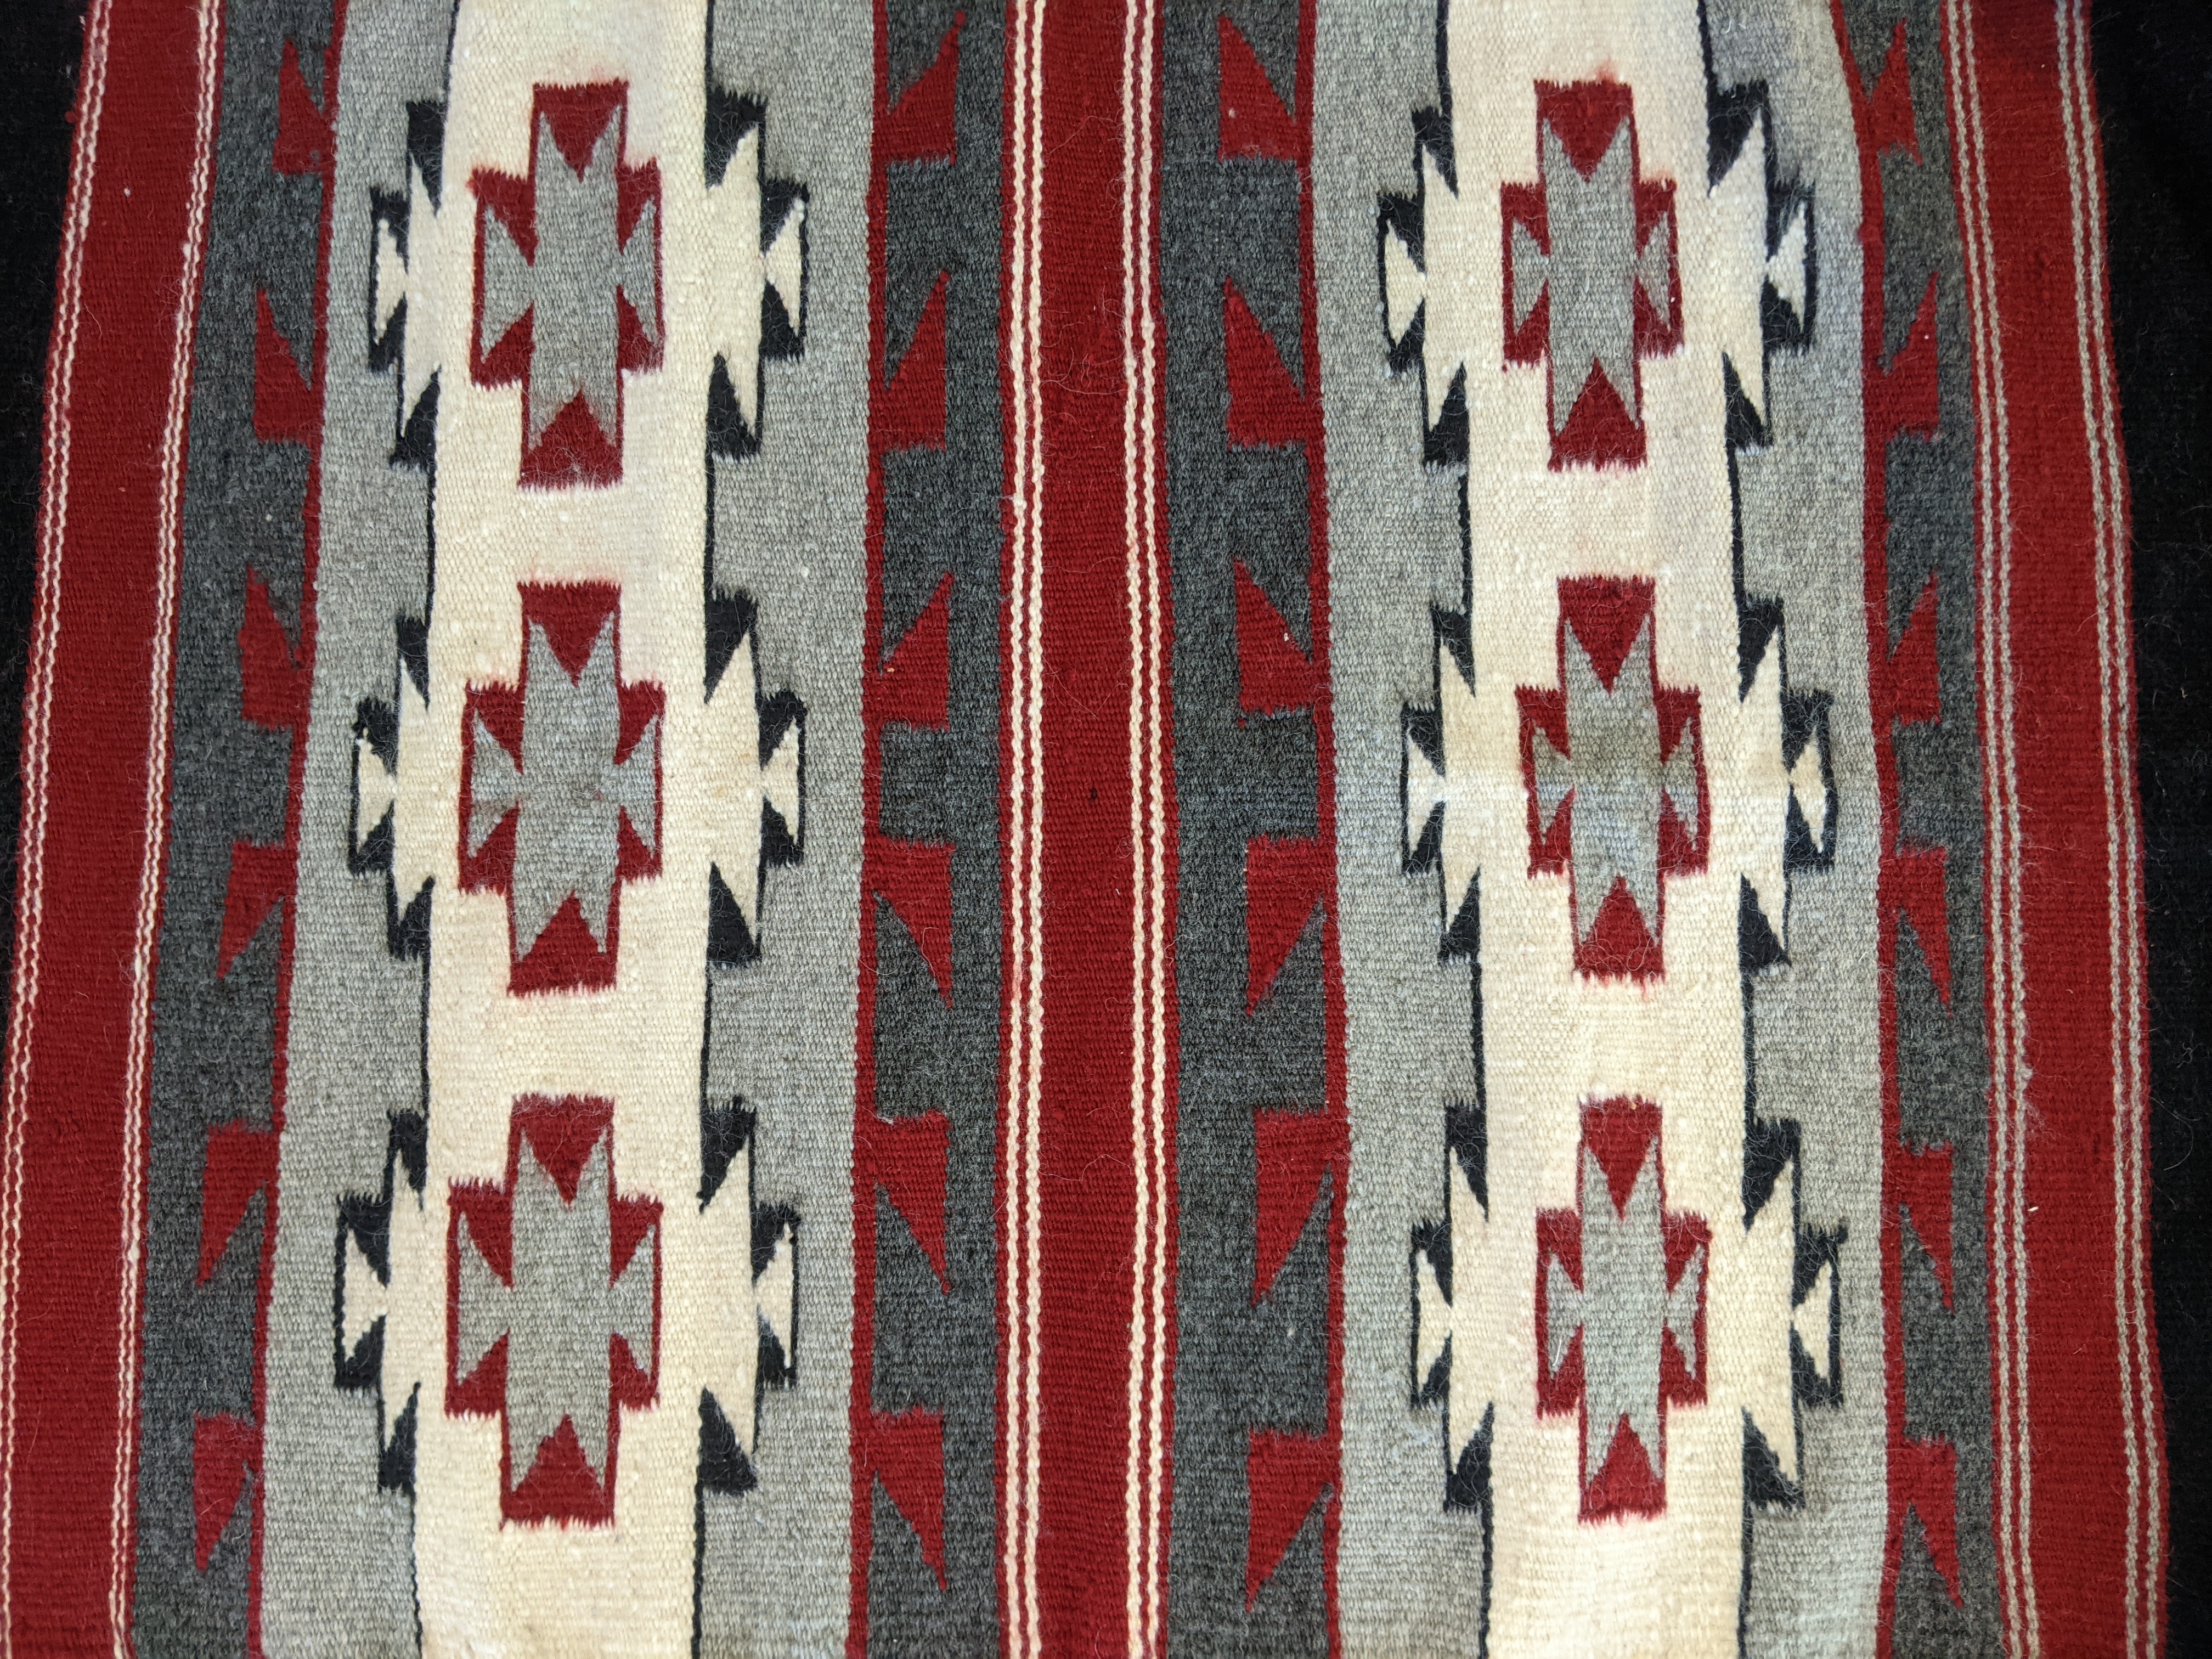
1139	826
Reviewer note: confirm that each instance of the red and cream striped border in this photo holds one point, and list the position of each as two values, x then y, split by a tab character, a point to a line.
1151	812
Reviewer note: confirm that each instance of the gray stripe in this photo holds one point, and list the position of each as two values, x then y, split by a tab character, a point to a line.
775	1573
213	1036
1238	1366
941	514
1410	1571
338	1574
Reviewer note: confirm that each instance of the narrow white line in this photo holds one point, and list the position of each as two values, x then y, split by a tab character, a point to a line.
1024	965
68	314
145	946
1135	1496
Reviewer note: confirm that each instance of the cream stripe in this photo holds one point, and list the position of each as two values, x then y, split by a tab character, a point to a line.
38	730
2008	1022
1147	839
1025	966
145	946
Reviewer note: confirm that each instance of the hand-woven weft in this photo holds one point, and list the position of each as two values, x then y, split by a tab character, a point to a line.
1137	826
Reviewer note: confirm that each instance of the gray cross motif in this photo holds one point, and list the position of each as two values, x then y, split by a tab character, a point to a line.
569	286
1613	780
565	1304
1631	1300
571	792
1591	242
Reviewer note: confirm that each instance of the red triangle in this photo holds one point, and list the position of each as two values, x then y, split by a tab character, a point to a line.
1253	122
260	878
1904	397
907	1158
303	133
1620	945
1606	613
562	1133
1599	429
1265	406
907	1451
1585	115
560	1483
1286	1475
1283	883
919	127
1294	1149
911	408
915	877
239	1162
913	686
1915	878
1619	1134
1274	675
1910	685
225	1450
1625	1482
1920	1185
271	689
577	115
1925	1476
1890	125
283	403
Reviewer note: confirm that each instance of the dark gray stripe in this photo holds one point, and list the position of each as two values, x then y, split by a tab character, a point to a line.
941	514
214	1035
1943	1058
1238	1367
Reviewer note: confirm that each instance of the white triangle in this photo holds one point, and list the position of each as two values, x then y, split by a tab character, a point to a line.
1810	1321
1404	285
365	1296
1785	267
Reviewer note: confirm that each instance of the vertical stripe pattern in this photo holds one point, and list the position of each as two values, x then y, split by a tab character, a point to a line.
2007	1002
1150	811
1024	809
2143	1570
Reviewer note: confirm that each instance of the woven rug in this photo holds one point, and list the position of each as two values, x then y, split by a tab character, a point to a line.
1122	826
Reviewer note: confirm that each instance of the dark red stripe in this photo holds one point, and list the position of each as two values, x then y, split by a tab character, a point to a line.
1089	1192
2075	1384
71	1358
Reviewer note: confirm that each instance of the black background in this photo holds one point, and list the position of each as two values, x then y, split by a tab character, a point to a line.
2154	70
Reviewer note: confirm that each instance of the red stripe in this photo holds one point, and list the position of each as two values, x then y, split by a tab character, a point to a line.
72	1362
1089	1186
2078	1541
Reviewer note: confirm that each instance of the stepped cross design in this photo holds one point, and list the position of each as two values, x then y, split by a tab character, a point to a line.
1615	777
1591	282
561	790
554	1315
1620	1310
567	293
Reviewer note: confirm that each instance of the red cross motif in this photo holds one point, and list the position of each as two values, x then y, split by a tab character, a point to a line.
1620	1310
553	1309
567	283
1591	279
1614	766
561	789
